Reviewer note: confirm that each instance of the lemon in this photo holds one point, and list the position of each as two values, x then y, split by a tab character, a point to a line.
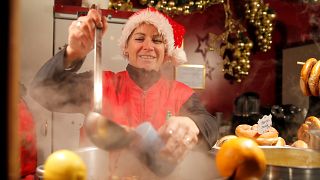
241	158
64	165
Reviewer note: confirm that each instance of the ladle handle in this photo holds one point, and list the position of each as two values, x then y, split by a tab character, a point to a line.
97	76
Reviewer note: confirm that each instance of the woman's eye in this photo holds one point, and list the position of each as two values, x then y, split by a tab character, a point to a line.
157	41
139	39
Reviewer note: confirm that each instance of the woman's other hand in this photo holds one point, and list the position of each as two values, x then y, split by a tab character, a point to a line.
180	134
81	35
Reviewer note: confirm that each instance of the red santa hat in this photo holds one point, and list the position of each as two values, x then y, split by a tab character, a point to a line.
171	30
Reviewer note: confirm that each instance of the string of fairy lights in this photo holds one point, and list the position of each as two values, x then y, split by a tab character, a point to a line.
235	46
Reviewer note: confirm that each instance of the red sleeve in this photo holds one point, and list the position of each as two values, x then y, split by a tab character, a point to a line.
27	134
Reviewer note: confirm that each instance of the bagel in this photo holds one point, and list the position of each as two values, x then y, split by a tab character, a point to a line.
304	76
266	139
313	81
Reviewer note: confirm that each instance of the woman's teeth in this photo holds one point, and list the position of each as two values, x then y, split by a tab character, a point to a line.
147	57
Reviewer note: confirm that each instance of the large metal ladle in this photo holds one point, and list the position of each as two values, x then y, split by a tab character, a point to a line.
104	133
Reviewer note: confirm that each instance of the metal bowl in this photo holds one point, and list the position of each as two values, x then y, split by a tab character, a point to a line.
196	165
292	163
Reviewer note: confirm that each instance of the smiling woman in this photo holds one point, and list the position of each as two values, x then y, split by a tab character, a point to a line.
139	94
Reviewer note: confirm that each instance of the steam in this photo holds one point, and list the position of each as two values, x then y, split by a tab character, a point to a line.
198	164
70	96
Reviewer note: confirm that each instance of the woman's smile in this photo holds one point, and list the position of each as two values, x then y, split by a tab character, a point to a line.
147	57
146	60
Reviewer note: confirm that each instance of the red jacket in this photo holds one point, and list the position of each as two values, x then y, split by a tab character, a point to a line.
28	148
126	103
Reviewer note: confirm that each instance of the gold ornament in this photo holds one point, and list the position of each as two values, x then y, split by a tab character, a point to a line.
120	5
143	2
261	17
235	47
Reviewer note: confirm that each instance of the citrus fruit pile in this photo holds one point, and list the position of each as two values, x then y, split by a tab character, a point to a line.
241	158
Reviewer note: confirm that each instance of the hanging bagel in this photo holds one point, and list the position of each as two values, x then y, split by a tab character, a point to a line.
305	74
313	81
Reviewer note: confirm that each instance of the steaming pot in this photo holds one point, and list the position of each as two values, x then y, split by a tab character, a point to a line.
195	166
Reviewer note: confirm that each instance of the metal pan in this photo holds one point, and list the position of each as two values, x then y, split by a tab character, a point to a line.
292	163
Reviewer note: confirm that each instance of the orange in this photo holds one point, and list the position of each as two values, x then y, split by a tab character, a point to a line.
64	165
241	158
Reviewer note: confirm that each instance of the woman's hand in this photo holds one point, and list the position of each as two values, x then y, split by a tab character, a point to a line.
180	134
81	35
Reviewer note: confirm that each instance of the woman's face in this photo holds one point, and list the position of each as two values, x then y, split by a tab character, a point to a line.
146	48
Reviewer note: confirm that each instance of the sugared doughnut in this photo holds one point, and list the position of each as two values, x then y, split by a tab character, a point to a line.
268	138
304	76
313	81
245	130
